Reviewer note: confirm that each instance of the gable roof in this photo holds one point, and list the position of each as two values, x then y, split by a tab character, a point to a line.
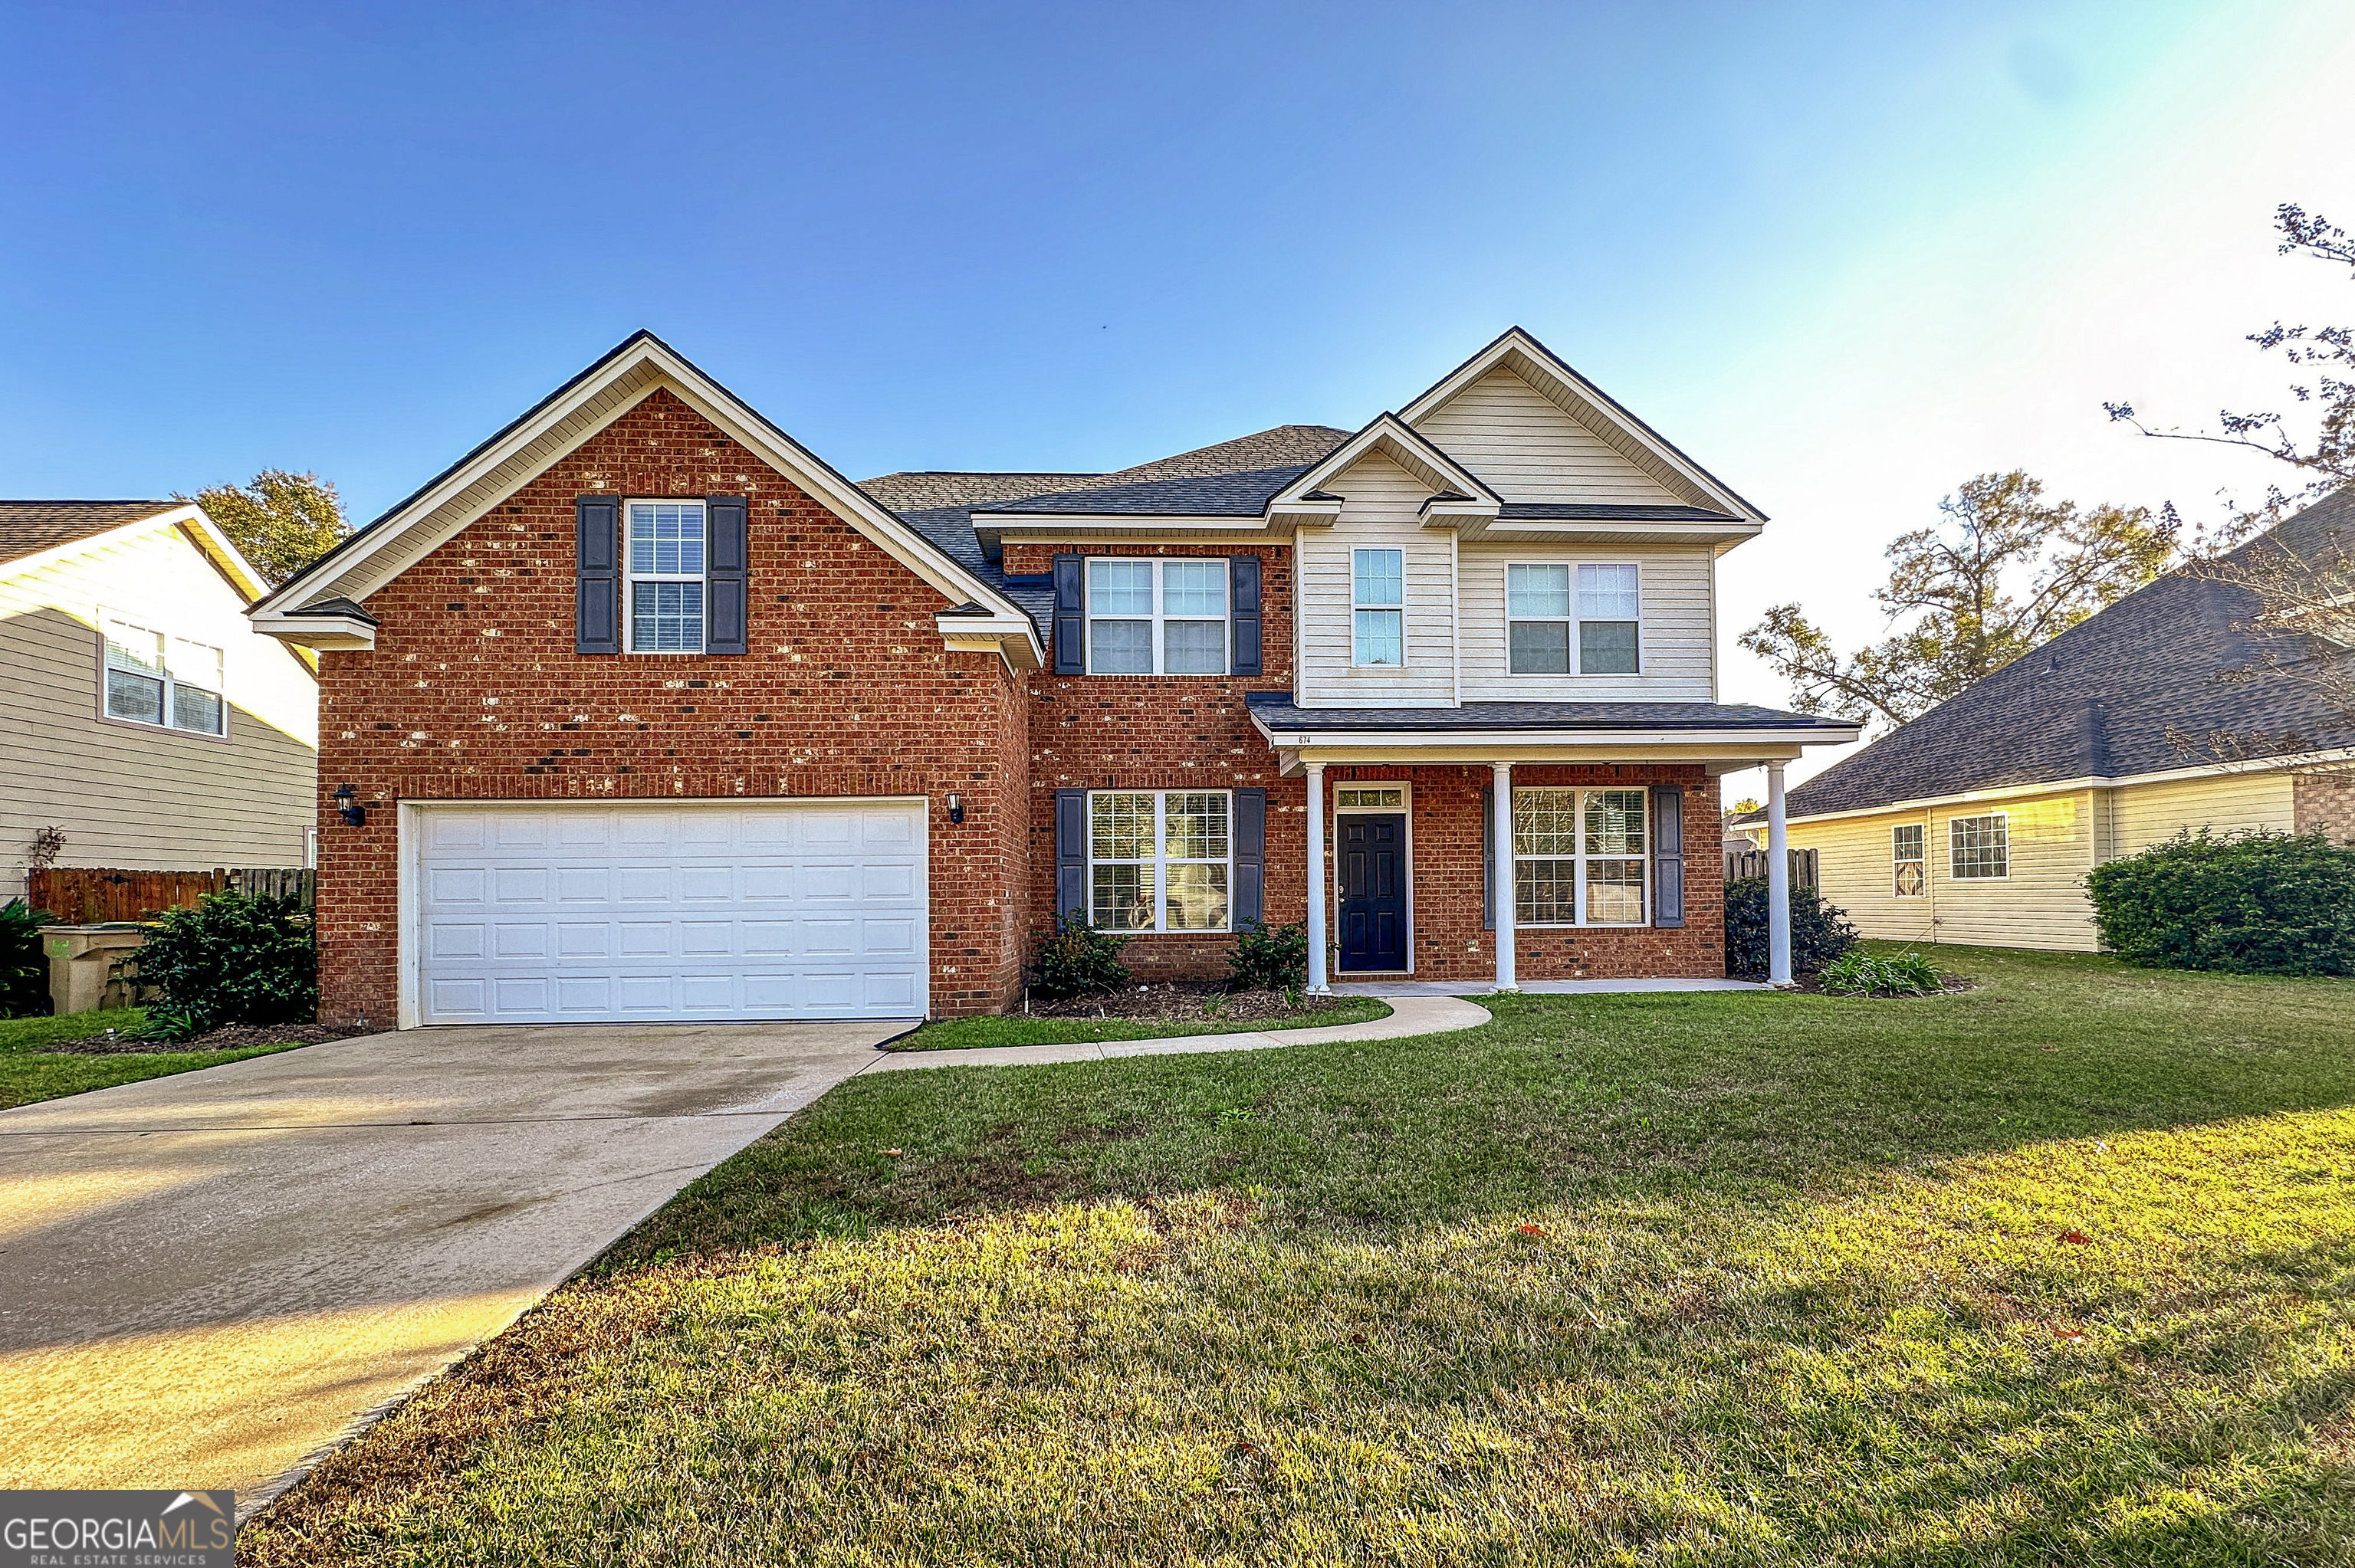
1516	350
2100	700
559	422
28	527
1394	439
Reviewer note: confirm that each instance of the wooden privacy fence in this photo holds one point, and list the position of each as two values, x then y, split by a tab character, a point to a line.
84	895
1753	862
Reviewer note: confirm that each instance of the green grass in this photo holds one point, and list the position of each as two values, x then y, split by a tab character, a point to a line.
1710	1278
28	1073
976	1033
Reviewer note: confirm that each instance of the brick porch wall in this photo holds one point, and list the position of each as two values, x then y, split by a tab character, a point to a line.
473	692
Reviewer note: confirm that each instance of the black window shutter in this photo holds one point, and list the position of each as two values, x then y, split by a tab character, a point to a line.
1070	854
597	566
725	584
1668	856
1071	622
1244	621
1250	858
1487	857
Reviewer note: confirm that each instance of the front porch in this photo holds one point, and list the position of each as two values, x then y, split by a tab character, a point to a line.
1499	847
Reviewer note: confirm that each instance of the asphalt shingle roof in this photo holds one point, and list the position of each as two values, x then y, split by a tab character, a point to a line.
28	527
2102	699
1278	710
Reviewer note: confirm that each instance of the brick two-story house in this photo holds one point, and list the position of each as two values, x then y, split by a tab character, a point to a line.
640	711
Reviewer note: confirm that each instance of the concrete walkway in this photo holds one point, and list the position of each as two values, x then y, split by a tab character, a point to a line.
207	1279
1538	988
1408	1015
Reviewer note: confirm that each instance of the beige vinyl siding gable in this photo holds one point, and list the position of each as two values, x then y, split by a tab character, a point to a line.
1527	449
1678	651
1382	511
133	795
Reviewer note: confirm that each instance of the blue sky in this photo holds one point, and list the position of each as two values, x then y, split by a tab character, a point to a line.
1847	255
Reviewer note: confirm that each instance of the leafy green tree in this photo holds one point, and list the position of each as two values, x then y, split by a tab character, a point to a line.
282	522
2002	572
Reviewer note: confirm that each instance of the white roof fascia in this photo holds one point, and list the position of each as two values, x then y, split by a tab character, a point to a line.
643	353
1068	521
1548	740
1402	444
1518	345
1011	638
2337	758
320	633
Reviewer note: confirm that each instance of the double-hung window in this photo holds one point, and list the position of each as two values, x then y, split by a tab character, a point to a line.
1905	853
1156	617
1561	620
665	556
153	677
1377	607
1159	860
1580	857
1981	847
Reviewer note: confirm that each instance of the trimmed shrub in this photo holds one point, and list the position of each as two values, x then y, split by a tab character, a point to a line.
230	959
2255	904
1820	931
1078	960
24	968
1268	958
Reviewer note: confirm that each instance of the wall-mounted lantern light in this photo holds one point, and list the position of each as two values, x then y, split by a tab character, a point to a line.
957	808
347	801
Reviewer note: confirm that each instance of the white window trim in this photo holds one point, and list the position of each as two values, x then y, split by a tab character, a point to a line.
164	725
1399	608
1405	807
1158	619
1161	863
1570	622
2003	817
1897	861
1513	885
631	578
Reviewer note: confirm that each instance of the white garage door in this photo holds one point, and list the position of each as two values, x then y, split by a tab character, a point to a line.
545	914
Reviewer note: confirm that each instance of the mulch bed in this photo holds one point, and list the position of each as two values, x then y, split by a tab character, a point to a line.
1177	1004
1810	985
234	1037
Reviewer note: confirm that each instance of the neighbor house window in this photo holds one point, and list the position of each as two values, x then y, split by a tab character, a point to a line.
1377	603
1561	620
665	572
1580	857
1158	860
1163	617
1981	846
153	677
1905	851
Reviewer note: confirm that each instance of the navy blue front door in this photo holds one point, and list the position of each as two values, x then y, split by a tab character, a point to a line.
1373	892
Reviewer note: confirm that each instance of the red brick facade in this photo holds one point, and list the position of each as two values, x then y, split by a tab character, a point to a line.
475	691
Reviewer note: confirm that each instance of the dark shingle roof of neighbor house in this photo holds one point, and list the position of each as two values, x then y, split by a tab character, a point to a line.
941	503
28	527
1277	710
2102	699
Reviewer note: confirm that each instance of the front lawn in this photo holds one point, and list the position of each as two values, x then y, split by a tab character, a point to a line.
2058	1269
976	1033
28	1073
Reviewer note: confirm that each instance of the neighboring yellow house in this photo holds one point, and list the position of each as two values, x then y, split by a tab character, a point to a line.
1977	822
140	710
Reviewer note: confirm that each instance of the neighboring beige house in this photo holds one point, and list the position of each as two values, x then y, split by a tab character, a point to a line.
1977	822
140	710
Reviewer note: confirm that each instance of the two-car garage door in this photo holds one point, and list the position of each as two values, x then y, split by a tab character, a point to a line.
592	913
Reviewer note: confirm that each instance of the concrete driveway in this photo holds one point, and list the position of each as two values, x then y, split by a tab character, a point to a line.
206	1278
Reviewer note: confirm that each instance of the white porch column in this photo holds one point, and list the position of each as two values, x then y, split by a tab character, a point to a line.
1778	883
1501	835
1318	984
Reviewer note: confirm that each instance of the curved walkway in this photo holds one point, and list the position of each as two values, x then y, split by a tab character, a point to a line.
1408	1015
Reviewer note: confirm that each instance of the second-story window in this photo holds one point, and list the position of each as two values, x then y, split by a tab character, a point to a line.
666	560
1377	607
169	682
1156	618
1563	620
